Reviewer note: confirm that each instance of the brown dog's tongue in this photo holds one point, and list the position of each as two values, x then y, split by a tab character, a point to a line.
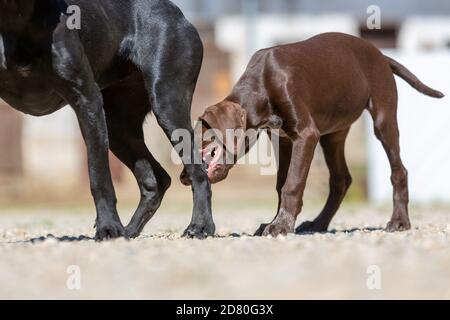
211	156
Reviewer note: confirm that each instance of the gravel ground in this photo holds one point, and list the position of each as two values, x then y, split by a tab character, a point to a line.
161	265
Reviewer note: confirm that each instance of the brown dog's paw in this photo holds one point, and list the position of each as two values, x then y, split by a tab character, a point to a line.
310	227
398	225
274	230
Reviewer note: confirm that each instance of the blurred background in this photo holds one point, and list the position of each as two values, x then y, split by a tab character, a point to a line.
44	183
43	160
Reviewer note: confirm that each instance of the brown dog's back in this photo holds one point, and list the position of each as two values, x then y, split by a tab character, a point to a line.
333	75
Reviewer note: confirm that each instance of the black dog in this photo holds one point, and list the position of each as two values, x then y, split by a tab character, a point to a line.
129	58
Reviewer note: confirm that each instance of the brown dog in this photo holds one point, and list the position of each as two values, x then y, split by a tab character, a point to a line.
319	88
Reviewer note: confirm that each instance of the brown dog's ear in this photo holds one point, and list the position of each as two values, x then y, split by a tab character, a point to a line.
243	116
209	118
225	115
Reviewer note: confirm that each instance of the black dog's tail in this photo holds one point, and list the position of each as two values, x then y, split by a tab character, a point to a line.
409	77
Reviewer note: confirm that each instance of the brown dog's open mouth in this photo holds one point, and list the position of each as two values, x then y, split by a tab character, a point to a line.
212	156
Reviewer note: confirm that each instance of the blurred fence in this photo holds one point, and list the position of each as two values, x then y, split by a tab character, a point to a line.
45	158
424	132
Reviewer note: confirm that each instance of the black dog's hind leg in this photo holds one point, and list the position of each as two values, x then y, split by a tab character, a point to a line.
75	82
126	107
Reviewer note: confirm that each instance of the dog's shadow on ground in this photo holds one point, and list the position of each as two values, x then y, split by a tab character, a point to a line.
84	238
51	237
309	233
346	231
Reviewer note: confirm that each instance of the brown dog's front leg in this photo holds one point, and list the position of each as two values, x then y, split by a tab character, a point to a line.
291	201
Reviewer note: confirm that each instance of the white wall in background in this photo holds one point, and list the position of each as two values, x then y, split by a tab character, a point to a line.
243	36
425	134
52	147
425	33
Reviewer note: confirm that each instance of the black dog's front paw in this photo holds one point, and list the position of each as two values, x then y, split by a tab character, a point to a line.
199	231
310	227
131	233
109	231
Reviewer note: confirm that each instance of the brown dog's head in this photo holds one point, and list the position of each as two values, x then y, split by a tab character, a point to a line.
219	152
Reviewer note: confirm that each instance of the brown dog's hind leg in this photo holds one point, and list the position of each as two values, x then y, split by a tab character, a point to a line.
333	146
125	108
386	130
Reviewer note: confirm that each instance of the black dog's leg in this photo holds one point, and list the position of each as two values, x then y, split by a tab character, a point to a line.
172	109
152	179
76	84
171	106
126	108
93	127
170	68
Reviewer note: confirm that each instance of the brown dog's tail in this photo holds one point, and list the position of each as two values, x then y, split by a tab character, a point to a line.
409	77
